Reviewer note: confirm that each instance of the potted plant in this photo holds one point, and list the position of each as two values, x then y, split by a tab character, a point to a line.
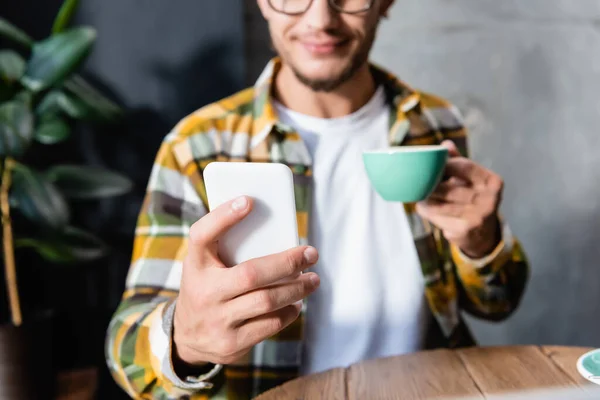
42	99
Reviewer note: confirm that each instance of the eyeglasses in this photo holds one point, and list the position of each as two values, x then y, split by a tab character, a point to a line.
297	7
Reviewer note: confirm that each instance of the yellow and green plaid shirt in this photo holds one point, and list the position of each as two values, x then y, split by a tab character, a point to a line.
244	127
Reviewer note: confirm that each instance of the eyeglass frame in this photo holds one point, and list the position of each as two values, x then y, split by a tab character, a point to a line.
331	4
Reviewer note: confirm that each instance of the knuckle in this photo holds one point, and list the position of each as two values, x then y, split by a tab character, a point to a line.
264	302
248	276
300	290
496	183
292	262
304	290
453	181
277	323
291	294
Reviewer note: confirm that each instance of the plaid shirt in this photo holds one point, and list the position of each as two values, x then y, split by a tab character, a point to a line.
244	127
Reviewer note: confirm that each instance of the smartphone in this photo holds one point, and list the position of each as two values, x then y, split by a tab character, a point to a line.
271	226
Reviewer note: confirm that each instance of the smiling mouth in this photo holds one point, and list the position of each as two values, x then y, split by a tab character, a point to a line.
324	48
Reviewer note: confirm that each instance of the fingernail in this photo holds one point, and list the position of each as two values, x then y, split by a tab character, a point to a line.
310	255
315	280
239	204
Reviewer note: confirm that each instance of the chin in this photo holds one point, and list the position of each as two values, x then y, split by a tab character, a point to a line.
321	70
320	76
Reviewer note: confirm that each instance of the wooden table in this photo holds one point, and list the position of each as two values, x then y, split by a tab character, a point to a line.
527	372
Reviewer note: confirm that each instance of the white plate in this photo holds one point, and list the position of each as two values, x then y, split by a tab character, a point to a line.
588	365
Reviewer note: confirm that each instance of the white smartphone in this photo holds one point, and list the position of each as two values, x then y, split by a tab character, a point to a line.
271	226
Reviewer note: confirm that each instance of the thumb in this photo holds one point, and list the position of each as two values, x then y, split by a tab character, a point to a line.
205	233
452	149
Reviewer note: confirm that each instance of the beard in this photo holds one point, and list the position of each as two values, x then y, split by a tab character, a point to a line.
357	60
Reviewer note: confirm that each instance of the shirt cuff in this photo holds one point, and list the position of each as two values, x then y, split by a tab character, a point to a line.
161	343
505	245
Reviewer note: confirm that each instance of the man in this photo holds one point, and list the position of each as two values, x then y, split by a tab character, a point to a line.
393	279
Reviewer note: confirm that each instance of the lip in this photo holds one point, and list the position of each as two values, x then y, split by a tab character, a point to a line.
323	48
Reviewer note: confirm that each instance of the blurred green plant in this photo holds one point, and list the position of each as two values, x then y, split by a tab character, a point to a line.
41	97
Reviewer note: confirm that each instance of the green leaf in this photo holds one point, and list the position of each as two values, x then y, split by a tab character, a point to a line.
71	245
50	251
14	34
52	130
18	115
11	144
38	199
57	57
65	14
73	106
12	66
50	103
57	100
84	245
97	104
16	128
79	182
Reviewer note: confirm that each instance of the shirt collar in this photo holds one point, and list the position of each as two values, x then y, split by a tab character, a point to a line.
399	95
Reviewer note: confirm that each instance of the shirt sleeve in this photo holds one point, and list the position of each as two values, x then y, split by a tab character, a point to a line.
490	288
138	342
504	246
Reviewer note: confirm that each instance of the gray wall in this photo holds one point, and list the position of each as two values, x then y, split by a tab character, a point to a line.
526	74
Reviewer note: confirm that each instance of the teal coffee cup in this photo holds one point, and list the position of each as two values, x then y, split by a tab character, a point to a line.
405	174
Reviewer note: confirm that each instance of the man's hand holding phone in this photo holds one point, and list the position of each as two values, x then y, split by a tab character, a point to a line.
222	312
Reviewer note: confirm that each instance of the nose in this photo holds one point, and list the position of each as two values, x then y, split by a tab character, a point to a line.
320	15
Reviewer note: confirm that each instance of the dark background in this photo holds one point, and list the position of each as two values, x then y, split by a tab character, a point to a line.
160	60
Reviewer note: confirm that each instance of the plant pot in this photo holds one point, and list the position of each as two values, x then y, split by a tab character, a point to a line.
26	364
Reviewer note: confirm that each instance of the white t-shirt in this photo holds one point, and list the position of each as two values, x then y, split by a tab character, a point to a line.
371	301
